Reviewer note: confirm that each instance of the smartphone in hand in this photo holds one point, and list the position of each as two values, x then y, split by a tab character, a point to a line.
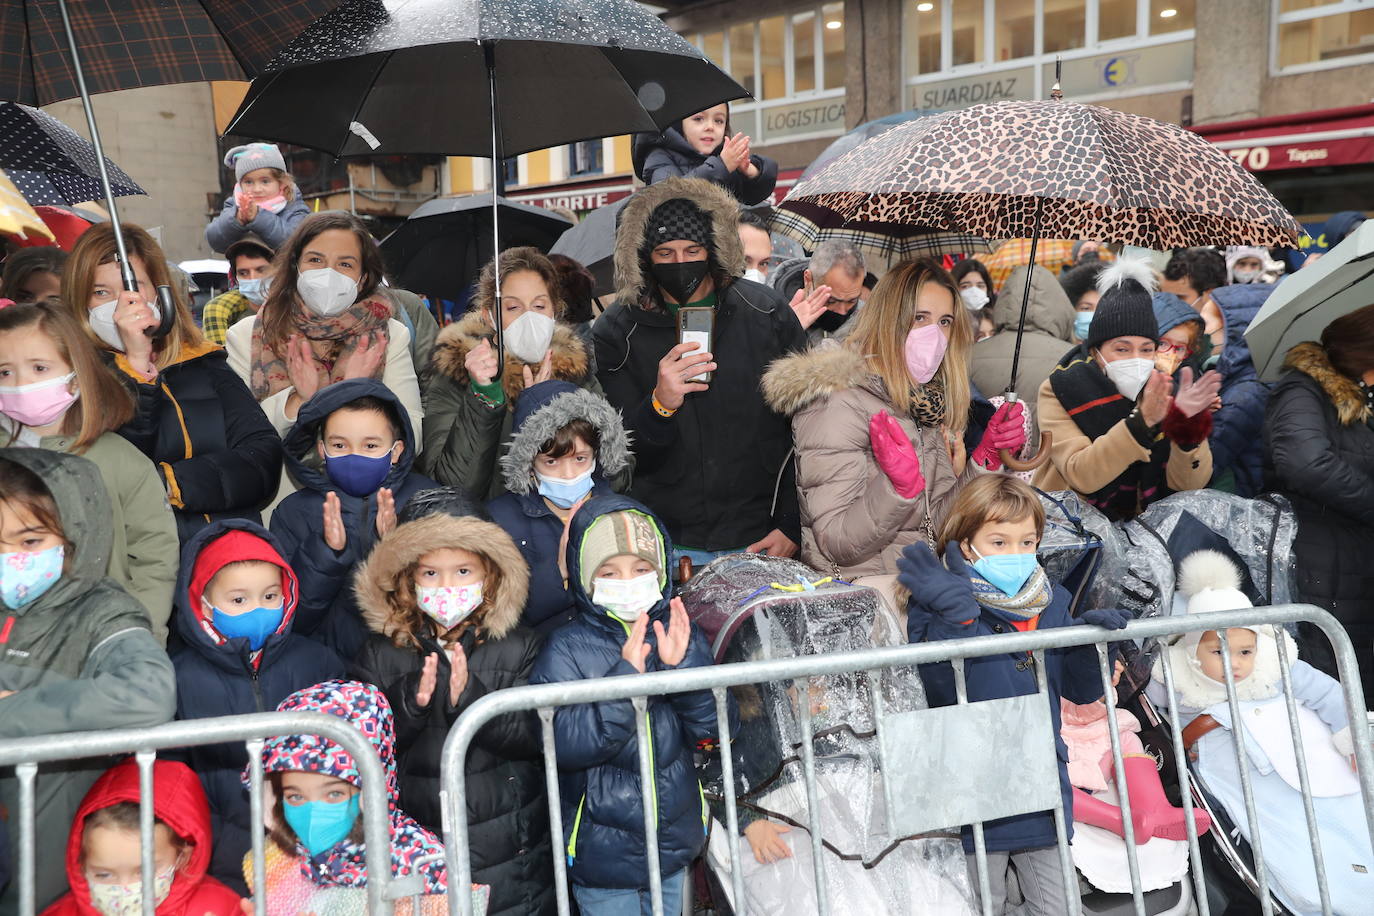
697	325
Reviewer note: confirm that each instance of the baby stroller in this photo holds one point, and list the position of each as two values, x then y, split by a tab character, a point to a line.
754	607
1257	535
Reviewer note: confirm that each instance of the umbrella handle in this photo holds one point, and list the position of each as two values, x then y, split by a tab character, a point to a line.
167	305
1012	463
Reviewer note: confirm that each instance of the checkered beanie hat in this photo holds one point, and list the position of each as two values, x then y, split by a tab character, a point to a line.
678	219
617	533
251	156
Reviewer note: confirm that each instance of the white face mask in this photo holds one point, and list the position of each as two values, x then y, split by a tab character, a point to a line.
1246	276
102	322
627	598
756	275
1130	375
449	605
528	336
325	291
974	298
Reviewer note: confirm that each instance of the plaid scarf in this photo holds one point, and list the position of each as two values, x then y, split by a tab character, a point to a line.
332	341
1026	604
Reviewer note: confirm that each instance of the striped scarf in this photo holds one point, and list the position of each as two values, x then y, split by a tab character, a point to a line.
1026	604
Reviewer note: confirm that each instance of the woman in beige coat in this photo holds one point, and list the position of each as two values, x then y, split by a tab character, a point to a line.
879	424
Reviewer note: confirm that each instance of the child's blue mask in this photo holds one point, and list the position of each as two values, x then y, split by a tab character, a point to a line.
565	493
357	475
25	576
321	826
1082	322
1007	571
255	625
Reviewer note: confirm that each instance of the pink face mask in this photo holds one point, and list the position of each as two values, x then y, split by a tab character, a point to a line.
924	351
37	404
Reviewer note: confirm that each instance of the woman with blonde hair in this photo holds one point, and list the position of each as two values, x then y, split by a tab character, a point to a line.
887	425
217	455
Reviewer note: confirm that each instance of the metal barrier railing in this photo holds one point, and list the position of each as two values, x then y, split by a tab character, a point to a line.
26	754
547	698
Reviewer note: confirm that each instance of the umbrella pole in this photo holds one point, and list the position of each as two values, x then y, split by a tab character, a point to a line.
489	55
1025	297
126	270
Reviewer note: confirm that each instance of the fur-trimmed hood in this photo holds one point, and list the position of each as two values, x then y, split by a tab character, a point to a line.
570	360
716	202
794	382
1311	360
545	409
375	583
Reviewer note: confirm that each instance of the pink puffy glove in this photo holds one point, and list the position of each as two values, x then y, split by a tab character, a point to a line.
895	455
1006	430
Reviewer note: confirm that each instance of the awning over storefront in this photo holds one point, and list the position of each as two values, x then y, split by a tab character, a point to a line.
1335	136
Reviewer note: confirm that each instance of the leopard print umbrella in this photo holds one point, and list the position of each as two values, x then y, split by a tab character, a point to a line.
1055	169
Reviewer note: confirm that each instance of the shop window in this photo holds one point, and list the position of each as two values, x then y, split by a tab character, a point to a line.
742	56
1116	19
1015	29
1171	16
804	52
772	57
1066	23
1326	38
967	37
832	44
924	47
584	158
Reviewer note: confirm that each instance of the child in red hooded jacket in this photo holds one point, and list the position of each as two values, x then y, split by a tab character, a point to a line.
103	853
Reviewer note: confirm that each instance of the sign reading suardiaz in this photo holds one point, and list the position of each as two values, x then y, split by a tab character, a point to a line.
963	94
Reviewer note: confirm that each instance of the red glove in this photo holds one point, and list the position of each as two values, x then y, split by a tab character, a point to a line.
1006	430
895	455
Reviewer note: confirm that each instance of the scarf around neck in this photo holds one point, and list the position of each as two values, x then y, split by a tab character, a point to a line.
1026	604
1092	401
332	341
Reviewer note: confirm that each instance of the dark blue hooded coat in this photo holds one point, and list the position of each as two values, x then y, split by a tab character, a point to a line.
326	577
539	413
220	680
1070	673
1237	439
598	762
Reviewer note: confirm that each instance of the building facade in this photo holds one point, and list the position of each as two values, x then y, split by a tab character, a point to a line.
1285	86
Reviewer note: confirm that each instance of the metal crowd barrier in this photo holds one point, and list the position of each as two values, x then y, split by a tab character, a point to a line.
26	754
547	698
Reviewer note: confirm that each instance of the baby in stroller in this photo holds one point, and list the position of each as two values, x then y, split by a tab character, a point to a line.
1211	582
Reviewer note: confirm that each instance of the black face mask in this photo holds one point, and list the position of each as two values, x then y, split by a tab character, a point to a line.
830	322
680	279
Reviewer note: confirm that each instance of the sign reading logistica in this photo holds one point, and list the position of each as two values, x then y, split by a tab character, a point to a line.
814	116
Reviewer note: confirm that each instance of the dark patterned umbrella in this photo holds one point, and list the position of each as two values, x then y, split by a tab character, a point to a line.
1061	169
52	164
883	244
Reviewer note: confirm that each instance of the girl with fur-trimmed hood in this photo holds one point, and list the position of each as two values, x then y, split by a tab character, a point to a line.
1319	452
567	446
1211	582
442	596
469	403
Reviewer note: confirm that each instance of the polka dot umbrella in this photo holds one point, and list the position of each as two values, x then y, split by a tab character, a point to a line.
50	163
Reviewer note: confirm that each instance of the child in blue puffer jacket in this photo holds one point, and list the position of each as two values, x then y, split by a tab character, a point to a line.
618	572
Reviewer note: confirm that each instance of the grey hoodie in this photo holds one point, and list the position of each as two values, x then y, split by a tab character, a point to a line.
80	657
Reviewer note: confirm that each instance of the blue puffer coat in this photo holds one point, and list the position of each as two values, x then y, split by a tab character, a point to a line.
598	762
1237	438
1071	674
220	679
329	611
541	411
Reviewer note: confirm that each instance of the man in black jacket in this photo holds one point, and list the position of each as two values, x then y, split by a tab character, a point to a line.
711	458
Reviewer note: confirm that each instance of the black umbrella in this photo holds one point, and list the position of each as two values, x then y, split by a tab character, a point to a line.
131	43
50	163
591	243
398	76
440	249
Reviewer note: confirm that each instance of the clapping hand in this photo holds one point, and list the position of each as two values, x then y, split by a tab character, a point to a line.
672	645
335	535
543	375
636	651
1193	397
808	306
941	589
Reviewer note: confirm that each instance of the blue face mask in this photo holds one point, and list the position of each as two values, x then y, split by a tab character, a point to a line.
321	826
1007	571
565	493
255	289
357	475
24	577
1082	321
255	625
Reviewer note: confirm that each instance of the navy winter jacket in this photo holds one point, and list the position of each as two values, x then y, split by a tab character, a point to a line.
1237	438
598	762
1071	674
332	614
219	679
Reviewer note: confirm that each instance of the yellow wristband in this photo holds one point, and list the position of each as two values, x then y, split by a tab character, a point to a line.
660	409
